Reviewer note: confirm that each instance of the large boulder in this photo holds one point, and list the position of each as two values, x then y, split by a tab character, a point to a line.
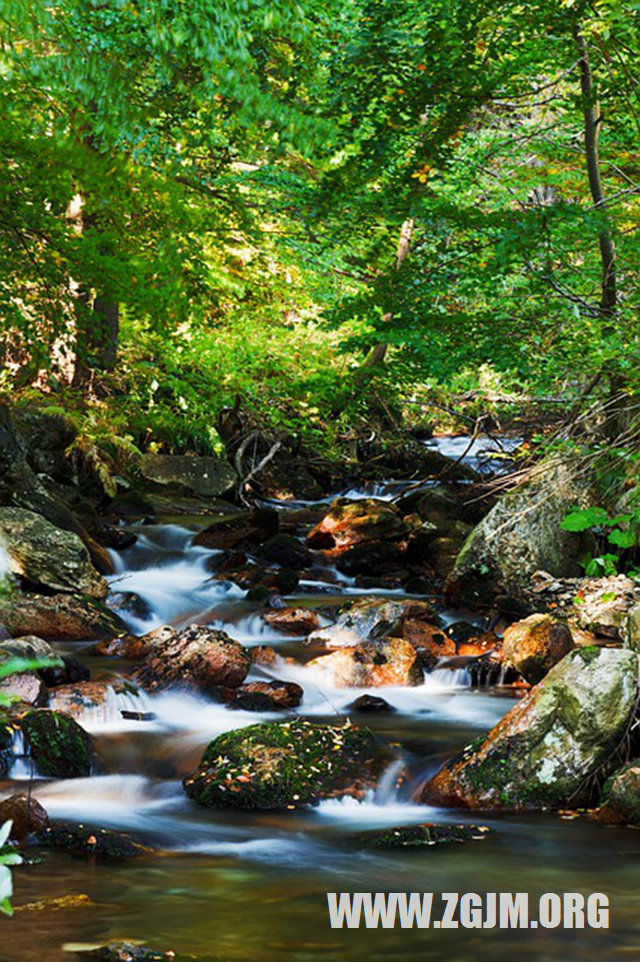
372	617
372	664
196	659
351	524
60	617
48	556
60	747
284	765
520	535
545	751
209	477
535	644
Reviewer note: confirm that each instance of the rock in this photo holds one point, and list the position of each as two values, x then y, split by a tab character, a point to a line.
69	837
371	704
267	696
46	555
369	618
264	655
604	605
431	643
288	479
59	617
258	579
59	746
533	646
26	687
545	751
351	523
26	813
196	659
129	603
284	765
621	797
422	836
69	671
123	951
286	551
243	531
292	621
209	477
631	628
520	535
29	647
372	664
84	698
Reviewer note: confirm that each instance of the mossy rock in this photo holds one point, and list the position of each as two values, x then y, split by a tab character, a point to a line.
553	746
621	796
82	840
285	765
423	836
60	747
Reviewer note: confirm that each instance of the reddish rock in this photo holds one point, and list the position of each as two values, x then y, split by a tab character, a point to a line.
372	664
26	814
60	617
240	531
535	644
82	699
351	523
267	696
26	687
197	659
432	643
264	655
293	621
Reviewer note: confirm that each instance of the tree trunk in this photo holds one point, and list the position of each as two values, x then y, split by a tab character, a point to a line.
378	352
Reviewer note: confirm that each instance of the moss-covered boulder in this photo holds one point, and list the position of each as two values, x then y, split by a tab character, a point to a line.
621	797
285	765
535	644
84	840
546	750
46	555
59	746
521	535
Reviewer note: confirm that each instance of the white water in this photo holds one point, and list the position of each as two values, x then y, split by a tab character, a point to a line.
485	455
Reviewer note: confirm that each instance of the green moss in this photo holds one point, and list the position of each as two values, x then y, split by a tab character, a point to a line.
282	765
60	747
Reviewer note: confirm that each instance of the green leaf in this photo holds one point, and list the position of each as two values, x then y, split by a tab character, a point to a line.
584	519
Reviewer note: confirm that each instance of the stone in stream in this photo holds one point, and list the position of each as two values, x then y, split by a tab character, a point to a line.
267	696
533	646
620	802
350	523
69	671
86	698
59	746
372	617
48	556
26	687
520	535
286	765
120	950
285	550
196	659
372	664
554	744
26	814
292	621
423	836
243	531
207	476
371	704
82	840
60	617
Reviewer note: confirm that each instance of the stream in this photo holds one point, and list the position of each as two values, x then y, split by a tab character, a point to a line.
238	885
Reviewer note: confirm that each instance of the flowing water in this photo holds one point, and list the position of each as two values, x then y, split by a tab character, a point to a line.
238	885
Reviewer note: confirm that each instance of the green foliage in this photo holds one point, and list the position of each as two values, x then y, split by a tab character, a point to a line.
622	531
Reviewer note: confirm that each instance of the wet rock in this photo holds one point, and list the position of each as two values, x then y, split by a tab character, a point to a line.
535	644
46	555
285	765
545	751
287	478
26	687
351	523
260	580
621	797
422	836
243	531
28	647
264	655
69	837
129	603
58	744
461	631
369	618
26	814
292	621
82	699
123	951
59	617
286	551
371	704
116	538
519	536
267	696
382	557
209	477
372	664
69	671
196	659
430	642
